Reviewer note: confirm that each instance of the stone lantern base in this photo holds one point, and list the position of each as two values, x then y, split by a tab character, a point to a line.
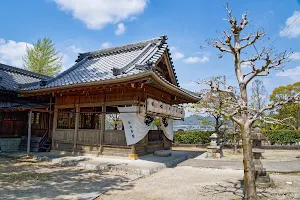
214	152
262	179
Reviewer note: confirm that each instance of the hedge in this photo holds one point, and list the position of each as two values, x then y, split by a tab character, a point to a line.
283	136
192	137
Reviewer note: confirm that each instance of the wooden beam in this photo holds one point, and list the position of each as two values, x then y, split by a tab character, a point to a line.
77	115
102	132
99	104
41	110
29	133
172	75
54	126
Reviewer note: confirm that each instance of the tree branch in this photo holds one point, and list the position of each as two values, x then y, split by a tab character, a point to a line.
289	100
221	47
258	35
270	63
271	120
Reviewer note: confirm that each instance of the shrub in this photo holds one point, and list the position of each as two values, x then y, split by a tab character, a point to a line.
192	137
283	136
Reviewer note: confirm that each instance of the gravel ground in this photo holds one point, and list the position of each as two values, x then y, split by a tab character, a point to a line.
201	183
29	179
269	154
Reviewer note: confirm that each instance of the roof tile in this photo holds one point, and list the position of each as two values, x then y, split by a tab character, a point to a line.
99	65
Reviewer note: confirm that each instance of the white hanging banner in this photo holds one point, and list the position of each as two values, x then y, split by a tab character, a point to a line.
134	124
167	128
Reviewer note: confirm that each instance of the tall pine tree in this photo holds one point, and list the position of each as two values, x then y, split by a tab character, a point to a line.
43	58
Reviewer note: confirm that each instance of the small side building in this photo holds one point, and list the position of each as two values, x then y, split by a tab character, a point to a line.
14	109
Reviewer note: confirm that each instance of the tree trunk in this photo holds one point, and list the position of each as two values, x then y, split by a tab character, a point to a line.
249	169
234	138
217	125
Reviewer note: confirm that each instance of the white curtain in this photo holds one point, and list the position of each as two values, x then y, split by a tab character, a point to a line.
134	125
168	130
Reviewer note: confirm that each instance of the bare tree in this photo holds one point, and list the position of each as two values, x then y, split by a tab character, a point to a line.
236	43
210	103
259	95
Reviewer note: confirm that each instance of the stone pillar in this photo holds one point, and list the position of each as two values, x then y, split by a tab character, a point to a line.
262	178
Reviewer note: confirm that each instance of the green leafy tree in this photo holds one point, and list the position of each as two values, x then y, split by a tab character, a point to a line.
288	116
43	58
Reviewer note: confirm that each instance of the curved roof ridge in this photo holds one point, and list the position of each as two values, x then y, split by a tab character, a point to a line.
117	49
22	71
66	71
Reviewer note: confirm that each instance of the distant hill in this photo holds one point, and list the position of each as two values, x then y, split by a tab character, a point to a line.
192	122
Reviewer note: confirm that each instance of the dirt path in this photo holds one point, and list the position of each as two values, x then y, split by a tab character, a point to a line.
201	183
28	179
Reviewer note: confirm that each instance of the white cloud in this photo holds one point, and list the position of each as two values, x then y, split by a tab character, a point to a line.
70	54
293	73
75	49
196	59
97	13
246	65
295	56
12	52
106	45
176	54
292	26
67	61
120	29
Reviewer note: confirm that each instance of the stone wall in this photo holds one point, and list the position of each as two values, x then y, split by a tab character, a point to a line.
9	144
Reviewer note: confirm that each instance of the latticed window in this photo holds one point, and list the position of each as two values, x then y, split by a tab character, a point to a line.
66	119
90	118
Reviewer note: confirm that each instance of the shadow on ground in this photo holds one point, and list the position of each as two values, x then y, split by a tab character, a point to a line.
236	188
21	179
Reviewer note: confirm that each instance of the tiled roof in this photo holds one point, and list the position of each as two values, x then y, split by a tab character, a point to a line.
111	63
11	77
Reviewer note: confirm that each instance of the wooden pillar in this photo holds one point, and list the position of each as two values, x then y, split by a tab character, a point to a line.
54	126
102	127
49	119
29	133
77	115
133	155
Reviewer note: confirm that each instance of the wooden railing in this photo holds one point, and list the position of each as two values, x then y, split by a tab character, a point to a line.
115	137
88	136
64	135
91	137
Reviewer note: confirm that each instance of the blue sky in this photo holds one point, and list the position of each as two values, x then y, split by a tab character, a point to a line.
78	26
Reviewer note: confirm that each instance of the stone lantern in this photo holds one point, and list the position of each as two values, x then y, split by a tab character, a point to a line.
214	149
262	178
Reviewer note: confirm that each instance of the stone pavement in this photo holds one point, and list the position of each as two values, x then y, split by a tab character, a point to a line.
145	165
271	166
